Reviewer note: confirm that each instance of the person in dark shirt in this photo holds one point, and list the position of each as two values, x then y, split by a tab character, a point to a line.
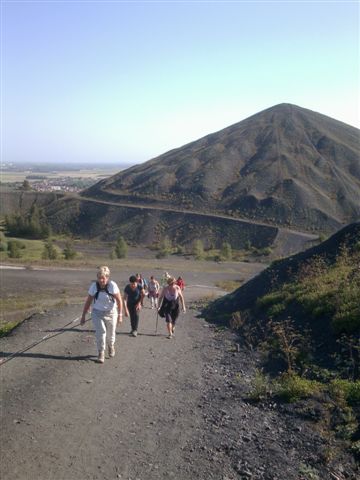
143	283
133	298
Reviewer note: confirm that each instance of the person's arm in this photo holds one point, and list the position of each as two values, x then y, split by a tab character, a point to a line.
161	296
125	305
182	300
119	303
142	295
88	302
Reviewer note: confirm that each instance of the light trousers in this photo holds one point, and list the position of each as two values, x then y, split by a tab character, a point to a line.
105	327
153	299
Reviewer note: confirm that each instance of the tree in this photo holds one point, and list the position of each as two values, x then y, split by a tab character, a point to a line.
248	245
49	252
14	248
3	243
165	247
34	225
26	185
69	252
198	250
226	251
121	248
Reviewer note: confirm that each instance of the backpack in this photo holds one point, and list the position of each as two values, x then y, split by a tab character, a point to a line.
106	290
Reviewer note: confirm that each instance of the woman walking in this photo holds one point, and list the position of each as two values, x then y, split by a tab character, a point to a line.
105	298
153	289
133	298
170	308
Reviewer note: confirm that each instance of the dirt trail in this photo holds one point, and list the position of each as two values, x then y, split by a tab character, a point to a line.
161	409
66	417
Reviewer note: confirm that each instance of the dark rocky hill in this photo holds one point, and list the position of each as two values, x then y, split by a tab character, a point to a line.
285	165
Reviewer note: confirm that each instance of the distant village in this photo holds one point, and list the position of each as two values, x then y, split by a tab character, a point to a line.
64	184
53	177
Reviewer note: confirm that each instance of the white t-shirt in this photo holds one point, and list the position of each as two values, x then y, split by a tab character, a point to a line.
104	302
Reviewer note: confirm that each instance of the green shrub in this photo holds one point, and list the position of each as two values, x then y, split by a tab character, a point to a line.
14	248
69	252
121	248
276	310
198	250
291	387
226	251
349	391
355	448
260	387
270	299
49	251
307	472
3	242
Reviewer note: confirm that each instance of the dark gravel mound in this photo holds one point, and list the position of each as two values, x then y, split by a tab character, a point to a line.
285	165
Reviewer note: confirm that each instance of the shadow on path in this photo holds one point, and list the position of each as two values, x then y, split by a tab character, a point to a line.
46	356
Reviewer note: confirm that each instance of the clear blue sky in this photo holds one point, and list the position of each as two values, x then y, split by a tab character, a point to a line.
124	81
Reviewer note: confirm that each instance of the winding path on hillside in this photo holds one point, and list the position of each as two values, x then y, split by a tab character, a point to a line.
141	206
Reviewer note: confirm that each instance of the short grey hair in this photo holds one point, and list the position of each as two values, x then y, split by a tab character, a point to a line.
103	271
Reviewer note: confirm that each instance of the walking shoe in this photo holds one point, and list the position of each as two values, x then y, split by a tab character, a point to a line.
111	351
101	357
134	333
169	336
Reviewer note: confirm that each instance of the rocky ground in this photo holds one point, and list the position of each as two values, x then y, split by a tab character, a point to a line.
161	409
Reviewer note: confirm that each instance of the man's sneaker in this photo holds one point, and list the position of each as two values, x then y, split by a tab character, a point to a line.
134	333
169	336
101	357
111	351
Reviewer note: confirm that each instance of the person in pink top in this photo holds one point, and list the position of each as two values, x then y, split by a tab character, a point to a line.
169	299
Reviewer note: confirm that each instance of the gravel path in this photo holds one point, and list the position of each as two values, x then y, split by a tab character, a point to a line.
161	409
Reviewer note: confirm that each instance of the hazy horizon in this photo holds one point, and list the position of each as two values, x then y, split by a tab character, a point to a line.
124	82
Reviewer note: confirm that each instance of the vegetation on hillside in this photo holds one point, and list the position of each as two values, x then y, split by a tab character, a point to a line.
302	315
32	225
322	304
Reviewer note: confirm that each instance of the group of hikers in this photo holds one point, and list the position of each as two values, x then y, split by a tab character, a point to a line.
107	305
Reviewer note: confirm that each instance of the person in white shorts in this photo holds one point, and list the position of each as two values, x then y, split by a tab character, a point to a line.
105	298
153	289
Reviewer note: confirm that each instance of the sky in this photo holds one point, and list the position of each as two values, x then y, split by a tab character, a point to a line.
125	81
